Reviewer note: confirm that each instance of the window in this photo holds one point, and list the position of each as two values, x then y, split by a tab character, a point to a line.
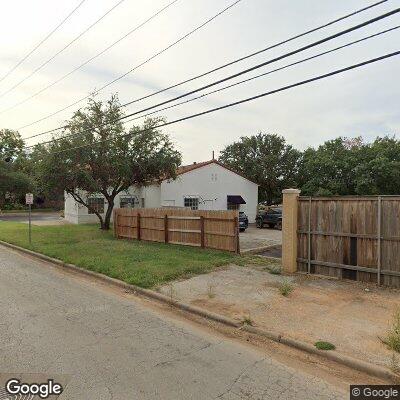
142	203
127	202
96	203
192	203
232	206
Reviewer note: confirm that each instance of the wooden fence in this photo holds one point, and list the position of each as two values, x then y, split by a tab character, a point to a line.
350	237
206	229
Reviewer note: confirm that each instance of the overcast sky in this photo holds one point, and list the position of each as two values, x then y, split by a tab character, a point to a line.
362	102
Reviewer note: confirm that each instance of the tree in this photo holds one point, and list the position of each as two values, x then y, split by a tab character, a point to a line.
95	155
351	167
265	159
14	182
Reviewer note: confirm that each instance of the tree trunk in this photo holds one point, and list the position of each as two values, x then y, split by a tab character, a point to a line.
106	224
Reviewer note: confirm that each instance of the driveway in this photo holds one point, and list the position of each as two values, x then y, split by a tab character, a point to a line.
106	345
254	237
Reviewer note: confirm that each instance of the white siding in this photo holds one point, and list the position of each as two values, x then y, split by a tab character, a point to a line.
211	184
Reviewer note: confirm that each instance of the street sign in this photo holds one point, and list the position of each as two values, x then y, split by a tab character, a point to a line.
29	198
29	202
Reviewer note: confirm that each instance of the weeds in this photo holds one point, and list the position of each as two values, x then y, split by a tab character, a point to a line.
393	337
324	345
274	270
247	320
285	288
210	291
395	365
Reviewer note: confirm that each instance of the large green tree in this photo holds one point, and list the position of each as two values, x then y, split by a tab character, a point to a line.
265	159
14	181
351	167
95	155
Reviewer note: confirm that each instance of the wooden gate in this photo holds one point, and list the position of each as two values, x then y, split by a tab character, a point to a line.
350	237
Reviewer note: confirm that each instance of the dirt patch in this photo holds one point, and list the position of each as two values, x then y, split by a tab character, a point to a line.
352	316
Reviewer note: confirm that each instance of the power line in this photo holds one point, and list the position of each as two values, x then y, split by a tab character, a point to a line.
291	53
41	42
253	78
92	58
257	52
141	64
281	89
215	69
267	73
60	51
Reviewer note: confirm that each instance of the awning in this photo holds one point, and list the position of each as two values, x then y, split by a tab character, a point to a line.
236	199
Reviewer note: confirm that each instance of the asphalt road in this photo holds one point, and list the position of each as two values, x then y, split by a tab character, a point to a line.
110	346
36	216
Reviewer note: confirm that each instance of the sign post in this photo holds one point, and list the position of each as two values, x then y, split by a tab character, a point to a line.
29	201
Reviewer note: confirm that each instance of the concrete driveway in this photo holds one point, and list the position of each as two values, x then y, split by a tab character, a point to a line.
106	345
254	237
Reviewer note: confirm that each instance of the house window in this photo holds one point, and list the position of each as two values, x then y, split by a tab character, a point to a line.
142	202
192	203
96	203
127	202
232	206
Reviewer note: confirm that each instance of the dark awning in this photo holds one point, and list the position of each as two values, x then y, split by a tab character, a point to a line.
235	199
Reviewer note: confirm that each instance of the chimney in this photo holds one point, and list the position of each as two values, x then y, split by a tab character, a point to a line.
213	155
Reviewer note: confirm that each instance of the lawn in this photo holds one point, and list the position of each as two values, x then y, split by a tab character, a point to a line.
144	264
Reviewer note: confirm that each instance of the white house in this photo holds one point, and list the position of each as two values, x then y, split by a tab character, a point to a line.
208	185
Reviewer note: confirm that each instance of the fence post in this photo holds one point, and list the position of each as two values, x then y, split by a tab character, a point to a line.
289	230
379	235
138	226
166	228
202	231
237	235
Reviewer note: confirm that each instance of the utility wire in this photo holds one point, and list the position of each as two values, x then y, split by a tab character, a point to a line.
60	51
267	73
92	58
220	67
257	52
281	89
250	79
41	42
139	65
291	53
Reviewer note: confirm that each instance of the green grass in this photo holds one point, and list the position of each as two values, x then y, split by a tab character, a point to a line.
141	263
324	346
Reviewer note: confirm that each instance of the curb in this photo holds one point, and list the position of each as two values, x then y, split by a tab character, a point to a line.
359	365
257	250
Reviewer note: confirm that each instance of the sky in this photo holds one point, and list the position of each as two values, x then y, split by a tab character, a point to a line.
362	102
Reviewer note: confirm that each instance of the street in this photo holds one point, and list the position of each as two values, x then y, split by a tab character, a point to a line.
36	216
113	347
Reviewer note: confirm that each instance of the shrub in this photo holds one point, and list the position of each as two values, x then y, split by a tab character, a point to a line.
285	288
324	346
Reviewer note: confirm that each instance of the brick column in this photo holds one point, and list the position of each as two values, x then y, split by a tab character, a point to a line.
289	230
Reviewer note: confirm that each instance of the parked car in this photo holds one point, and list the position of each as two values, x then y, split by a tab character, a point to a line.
243	221
271	218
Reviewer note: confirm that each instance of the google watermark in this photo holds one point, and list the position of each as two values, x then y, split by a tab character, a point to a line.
19	389
375	392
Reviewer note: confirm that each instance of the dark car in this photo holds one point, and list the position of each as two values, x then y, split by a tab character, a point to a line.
271	218
243	221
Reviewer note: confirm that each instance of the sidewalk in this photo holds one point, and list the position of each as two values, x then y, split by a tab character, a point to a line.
350	315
